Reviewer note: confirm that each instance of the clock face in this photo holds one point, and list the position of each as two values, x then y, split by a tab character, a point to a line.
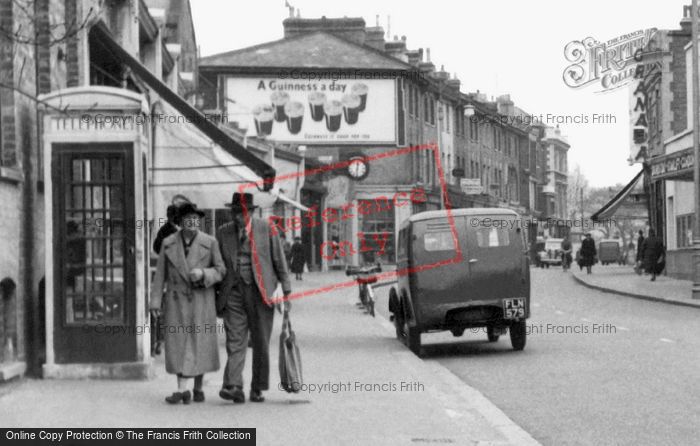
358	168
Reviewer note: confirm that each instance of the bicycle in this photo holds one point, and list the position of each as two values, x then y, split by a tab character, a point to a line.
365	278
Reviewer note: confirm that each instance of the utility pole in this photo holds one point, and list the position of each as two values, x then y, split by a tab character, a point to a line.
581	203
696	151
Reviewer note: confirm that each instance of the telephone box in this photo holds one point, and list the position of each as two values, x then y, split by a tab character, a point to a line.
96	152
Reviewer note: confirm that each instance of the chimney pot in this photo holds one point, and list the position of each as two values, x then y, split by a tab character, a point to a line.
403	38
427	54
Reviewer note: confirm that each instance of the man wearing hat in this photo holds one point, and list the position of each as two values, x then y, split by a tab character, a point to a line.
245	294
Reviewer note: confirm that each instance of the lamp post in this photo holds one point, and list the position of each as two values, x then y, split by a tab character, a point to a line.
696	152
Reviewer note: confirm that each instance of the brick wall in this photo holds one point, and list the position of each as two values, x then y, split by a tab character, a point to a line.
72	48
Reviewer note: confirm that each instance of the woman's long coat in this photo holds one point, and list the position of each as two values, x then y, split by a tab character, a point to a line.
652	250
588	252
191	346
298	258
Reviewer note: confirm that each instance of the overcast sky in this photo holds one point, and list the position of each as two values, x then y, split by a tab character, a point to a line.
497	47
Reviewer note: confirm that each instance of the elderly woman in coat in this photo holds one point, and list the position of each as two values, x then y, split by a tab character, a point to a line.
189	265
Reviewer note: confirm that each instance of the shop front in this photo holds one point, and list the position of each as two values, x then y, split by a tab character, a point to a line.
673	203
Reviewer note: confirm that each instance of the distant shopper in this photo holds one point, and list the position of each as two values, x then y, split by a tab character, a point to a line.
640	243
298	261
566	253
588	253
287	248
653	255
170	227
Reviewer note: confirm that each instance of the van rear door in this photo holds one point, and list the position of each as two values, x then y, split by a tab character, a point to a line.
495	257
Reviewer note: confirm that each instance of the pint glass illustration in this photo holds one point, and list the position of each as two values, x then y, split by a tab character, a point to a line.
333	111
316	101
279	99
361	90
263	116
351	108
295	116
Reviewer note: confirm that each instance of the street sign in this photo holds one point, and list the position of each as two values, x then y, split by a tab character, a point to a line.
471	186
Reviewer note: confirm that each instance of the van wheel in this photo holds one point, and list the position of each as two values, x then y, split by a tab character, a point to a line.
457	332
491	334
411	336
518	335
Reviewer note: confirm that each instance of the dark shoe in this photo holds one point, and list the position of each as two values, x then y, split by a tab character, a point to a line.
176	397
234	394
256	396
198	396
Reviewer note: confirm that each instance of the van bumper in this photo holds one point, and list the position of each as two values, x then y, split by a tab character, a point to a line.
447	316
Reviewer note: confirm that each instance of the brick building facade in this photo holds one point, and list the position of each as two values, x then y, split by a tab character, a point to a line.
430	109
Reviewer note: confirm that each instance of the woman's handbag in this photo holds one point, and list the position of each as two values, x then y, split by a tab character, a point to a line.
290	358
638	268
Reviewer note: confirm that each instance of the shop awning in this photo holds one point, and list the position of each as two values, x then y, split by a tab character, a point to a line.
613	205
296	204
187	162
209	128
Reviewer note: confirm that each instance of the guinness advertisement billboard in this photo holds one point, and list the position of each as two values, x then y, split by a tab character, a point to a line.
314	111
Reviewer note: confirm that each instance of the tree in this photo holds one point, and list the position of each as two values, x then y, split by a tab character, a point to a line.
577	193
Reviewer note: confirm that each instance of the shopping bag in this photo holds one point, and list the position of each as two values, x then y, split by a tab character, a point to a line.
638	268
290	359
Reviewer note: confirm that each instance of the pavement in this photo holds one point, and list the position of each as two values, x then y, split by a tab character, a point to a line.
624	281
362	387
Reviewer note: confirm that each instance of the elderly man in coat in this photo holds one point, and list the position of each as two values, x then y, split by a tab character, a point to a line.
189	265
245	294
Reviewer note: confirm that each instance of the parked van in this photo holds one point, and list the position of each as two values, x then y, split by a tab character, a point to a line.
609	251
472	272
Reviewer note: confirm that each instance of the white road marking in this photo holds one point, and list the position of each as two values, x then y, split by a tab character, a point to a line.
670	341
623	328
536	304
559	312
585	320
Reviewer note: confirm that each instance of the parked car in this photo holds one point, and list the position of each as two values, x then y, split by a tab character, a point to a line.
551	254
484	281
609	252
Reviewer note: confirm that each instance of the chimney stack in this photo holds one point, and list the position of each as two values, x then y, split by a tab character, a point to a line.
454	83
442	74
351	28
397	48
375	37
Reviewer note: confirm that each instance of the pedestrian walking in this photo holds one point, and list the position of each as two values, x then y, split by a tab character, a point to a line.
588	253
566	253
653	255
287	248
170	227
298	259
638	260
240	300
189	265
